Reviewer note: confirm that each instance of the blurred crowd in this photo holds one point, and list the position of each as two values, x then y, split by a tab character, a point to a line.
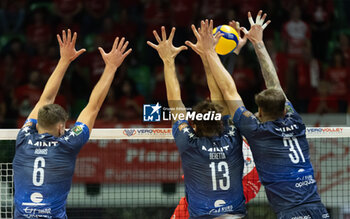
308	41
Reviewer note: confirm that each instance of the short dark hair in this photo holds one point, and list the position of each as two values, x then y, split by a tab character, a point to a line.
208	128
51	114
272	102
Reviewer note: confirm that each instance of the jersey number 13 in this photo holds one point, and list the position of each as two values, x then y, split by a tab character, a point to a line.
224	183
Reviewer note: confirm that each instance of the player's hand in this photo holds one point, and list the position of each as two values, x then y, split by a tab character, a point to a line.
67	46
117	55
165	48
206	41
255	34
242	41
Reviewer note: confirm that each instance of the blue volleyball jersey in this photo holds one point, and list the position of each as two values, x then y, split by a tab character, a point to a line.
43	169
281	156
213	169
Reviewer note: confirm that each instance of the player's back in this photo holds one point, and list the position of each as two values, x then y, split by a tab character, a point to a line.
213	169
43	170
281	155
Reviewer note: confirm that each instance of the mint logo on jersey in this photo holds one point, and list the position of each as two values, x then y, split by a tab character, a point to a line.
152	112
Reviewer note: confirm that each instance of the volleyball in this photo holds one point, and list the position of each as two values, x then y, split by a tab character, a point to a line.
228	42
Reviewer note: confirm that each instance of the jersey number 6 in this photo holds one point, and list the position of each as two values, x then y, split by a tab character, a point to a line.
38	171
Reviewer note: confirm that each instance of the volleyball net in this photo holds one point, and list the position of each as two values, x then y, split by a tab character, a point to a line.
136	173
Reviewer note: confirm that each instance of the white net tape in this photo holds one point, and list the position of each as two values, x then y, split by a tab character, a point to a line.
165	133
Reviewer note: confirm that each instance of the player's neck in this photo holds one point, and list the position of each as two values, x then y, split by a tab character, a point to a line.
48	131
268	118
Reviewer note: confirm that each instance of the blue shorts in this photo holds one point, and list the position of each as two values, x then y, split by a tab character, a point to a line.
306	211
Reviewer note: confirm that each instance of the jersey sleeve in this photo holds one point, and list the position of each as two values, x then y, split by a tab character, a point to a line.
245	122
183	133
76	137
28	128
290	111
226	123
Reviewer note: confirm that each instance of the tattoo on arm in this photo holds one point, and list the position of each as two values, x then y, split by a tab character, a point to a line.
267	67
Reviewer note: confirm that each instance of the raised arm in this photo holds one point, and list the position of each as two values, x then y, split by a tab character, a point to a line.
255	35
215	92
222	76
68	54
167	52
112	60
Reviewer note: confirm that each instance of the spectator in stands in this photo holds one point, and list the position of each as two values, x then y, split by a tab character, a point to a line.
67	8
130	102
321	16
338	75
92	61
344	46
110	108
296	33
323	102
27	95
280	61
38	31
2	109
245	80
12	16
308	71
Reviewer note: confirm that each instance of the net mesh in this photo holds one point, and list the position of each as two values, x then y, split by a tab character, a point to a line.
6	190
136	173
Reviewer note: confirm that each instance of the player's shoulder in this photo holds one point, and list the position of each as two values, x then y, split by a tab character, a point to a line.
78	135
28	129
182	127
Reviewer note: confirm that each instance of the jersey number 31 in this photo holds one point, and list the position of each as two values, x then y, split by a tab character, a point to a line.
294	156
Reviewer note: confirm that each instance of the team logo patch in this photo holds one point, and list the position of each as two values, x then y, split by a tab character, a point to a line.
182	126
27	124
247	114
289	109
77	130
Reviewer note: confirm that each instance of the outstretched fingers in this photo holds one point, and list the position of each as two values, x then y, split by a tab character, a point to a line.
195	32
250	19
115	44
258	16
74	39
121	43
124	46
59	40
265	25
156	36
103	53
154	46
163	33
172	33
127	53
69	36
64	37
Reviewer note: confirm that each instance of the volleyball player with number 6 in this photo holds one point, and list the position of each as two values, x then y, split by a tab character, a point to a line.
45	153
276	134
